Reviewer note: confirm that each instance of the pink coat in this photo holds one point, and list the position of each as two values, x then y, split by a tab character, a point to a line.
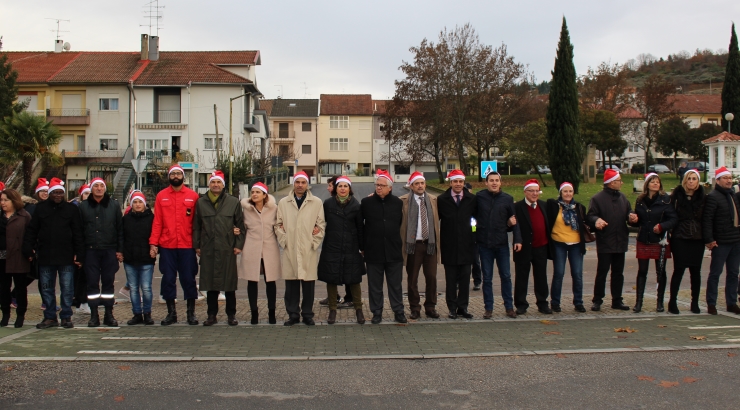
261	242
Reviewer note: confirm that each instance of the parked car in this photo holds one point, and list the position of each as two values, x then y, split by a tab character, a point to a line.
659	169
698	165
541	169
605	167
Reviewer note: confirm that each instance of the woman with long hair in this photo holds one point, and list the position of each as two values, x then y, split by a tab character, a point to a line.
655	217
686	240
14	267
138	259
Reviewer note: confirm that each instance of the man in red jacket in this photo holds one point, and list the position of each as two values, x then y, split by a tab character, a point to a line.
172	238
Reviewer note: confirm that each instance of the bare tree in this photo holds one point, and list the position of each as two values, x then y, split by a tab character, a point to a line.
652	101
605	88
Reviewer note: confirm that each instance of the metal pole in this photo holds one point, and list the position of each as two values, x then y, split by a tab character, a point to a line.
231	147
218	144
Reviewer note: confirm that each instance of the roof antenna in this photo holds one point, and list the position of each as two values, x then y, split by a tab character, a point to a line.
281	90
305	90
154	14
58	30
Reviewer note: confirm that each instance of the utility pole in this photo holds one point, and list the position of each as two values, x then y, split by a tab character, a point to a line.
218	143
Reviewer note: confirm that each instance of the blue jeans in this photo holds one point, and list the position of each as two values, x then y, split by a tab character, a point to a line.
140	276
571	253
723	255
501	256
48	283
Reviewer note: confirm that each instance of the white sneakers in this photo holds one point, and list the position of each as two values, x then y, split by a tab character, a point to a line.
126	293
84	309
221	296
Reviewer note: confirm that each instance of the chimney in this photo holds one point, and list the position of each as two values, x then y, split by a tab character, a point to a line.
145	46
154	48
58	46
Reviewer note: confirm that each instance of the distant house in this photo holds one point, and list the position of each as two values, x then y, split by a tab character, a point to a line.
723	151
345	135
294	124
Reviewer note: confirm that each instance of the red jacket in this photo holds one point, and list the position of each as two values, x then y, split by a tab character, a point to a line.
174	212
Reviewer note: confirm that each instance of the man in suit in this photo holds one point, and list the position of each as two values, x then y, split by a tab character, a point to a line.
420	235
457	209
535	231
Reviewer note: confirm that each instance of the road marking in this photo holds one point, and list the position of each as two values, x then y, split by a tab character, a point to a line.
118	352
92	328
732	340
143	338
17	335
713	327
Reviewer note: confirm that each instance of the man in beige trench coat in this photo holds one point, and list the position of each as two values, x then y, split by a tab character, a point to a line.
300	229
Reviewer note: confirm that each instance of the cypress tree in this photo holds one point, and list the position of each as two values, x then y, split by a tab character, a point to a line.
731	87
564	146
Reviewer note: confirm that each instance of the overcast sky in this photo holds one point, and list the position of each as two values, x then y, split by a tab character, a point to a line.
357	46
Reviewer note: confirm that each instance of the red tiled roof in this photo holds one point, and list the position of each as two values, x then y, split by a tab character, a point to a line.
379	106
723	137
697	104
629	113
105	67
346	104
267	106
181	67
38	66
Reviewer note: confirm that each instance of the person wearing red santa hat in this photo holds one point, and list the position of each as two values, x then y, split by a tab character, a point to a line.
137	260
609	212
42	190
217	213
172	238
721	232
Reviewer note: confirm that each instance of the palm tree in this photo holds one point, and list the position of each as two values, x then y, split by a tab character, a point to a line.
24	137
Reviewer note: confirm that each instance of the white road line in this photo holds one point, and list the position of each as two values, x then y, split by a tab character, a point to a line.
713	327
143	338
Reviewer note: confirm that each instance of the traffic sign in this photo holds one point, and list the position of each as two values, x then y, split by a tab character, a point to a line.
139	165
487	167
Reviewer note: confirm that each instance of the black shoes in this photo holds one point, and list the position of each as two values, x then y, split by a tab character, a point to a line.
171	317
47	323
695	306
6	318
545	310
476	287
148	319
414	315
432	313
94	317
521	311
620	306
256	317
332	317
291	322
640	290
377	318
108	318
464	313
231	320
67	323
271	317
360	316
556	308
400	317
136	320
452	316
596	307
19	321
673	306
308	321
191	313
580	308
734	308
210	321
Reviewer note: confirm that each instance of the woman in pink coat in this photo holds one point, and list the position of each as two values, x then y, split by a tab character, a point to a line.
261	254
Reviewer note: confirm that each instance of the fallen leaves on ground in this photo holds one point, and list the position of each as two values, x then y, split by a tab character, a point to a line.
400	324
662	326
690	380
667	384
119	398
548	322
552	333
698	337
51	391
645	378
683	367
124	367
9	368
560	356
625	330
102	330
731	354
694	363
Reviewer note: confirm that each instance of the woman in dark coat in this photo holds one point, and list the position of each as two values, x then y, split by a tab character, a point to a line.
138	261
14	267
686	240
341	262
567	243
655	217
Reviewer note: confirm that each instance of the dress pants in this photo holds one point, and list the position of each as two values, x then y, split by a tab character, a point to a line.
457	291
80	287
538	263
392	272
212	301
293	298
100	266
420	258
724	257
615	261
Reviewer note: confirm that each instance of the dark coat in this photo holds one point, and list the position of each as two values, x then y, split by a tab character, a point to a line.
102	223
717	220
137	227
14	232
213	234
614	208
689	213
659	212
552	208
524	222
493	212
382	229
55	233
456	237
340	262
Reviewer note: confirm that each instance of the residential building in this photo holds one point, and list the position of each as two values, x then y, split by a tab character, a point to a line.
345	145
294	139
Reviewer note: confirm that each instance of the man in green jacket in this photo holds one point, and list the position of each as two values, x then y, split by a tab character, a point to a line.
216	215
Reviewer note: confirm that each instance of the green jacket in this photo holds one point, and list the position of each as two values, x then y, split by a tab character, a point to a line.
213	234
102	223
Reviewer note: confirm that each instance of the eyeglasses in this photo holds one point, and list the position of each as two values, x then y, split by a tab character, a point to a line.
176	173
381	186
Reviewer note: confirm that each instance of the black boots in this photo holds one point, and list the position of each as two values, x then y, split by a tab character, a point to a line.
136	320
675	285
6	317
148	319
271	316
191	312
19	320
210	321
108	318
94	317
171	313
256	317
641	280
662	279
695	288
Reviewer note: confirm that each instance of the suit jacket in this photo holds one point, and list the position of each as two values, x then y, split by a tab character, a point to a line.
457	239
405	200
525	227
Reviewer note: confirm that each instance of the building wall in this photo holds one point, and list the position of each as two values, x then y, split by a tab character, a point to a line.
359	138
295	130
109	123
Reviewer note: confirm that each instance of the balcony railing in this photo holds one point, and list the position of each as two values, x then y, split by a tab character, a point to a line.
254	126
68	116
157	156
169	116
286	134
108	153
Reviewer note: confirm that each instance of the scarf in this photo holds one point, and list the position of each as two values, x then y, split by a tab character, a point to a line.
214	198
412	225
569	213
342	200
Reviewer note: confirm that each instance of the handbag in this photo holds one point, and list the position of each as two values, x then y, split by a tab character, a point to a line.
588	236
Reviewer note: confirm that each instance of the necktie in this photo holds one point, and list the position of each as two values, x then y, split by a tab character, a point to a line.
423	213
457	199
533	205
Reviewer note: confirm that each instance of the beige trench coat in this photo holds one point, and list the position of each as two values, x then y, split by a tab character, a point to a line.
261	242
405	221
294	230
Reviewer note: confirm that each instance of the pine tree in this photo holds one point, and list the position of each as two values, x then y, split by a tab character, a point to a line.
8	89
731	87
564	145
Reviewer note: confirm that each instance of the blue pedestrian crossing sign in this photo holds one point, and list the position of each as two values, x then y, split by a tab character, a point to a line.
487	167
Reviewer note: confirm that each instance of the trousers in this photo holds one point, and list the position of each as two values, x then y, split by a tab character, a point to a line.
100	266
606	261
293	290
392	274
420	258
212	301
182	263
538	264
457	289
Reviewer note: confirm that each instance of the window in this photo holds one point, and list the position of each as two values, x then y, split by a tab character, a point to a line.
305	149
332	168
108	104
716	157
283	129
108	142
714	121
81	143
338	144
401	169
731	157
210	141
153	144
306	127
450	167
338	122
283	152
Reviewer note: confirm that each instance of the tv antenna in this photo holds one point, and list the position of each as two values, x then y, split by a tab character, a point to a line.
153	12
58	23
281	90
305	90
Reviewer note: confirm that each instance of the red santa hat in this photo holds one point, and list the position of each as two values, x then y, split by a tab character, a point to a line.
415	177
2	186
43	185
650	175
610	175
138	195
97	180
532	183
259	185
343	178
175	167
720	172
84	188
694	170
299	175
382	174
218	176
564	184
55	184
455	174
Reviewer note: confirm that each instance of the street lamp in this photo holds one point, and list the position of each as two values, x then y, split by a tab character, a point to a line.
231	144
644	126
729	117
